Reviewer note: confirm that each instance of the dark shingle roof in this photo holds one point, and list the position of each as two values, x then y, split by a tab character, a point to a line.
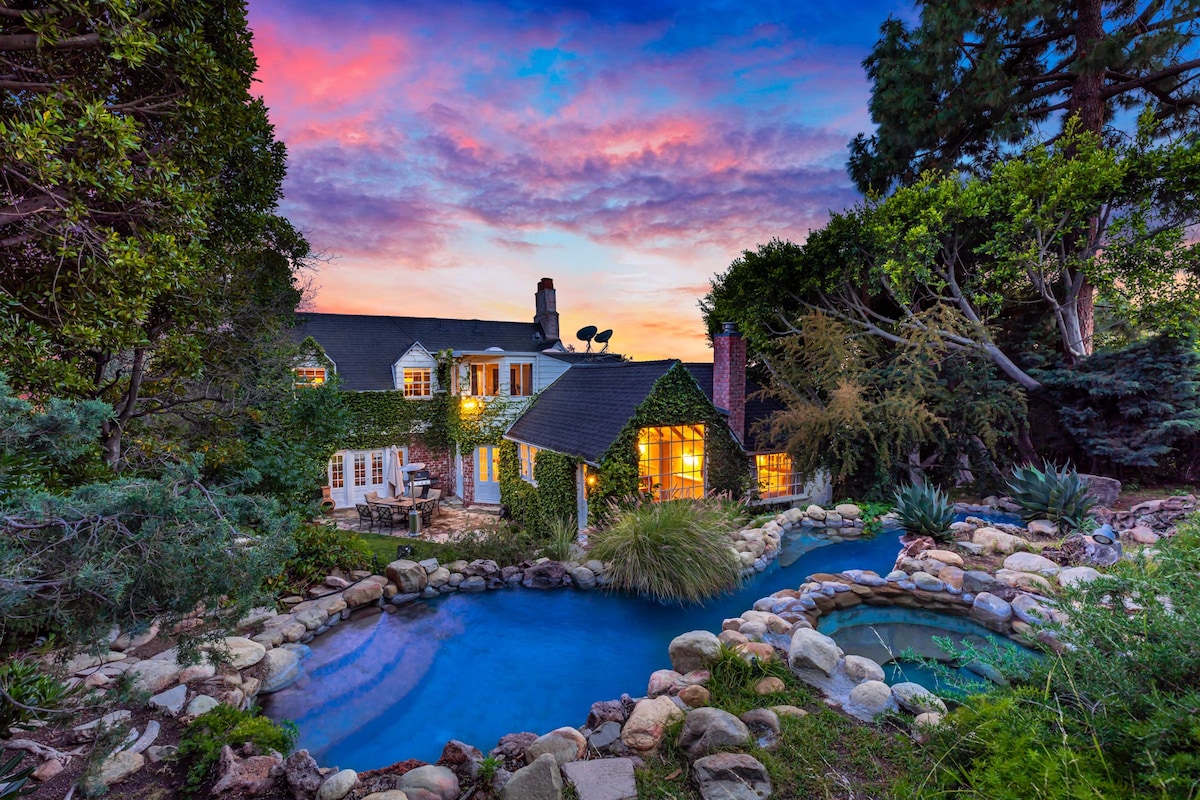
582	412
758	408
364	348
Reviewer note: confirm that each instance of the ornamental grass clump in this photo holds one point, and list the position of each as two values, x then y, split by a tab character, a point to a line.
677	550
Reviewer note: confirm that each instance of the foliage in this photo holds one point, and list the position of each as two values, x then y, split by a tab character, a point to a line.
381	419
674	400
563	533
487	769
501	543
31	695
136	157
119	554
924	510
1110	715
871	512
1132	407
1059	495
538	507
319	550
200	746
13	779
966	83
674	550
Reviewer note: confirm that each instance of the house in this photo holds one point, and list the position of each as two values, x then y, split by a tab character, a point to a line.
661	429
408	380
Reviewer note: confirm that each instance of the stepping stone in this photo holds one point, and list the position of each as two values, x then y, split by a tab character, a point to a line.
602	779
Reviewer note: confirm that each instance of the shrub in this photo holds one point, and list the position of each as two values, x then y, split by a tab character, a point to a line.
1055	494
924	511
320	549
677	550
563	532
200	746
27	686
13	779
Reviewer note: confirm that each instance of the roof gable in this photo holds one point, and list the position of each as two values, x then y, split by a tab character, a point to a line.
759	407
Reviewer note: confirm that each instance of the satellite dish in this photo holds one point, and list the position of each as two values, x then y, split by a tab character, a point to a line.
585	333
603	336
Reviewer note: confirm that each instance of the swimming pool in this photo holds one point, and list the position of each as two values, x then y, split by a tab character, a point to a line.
475	667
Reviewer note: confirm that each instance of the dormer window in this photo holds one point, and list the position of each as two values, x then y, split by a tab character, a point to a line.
309	376
418	382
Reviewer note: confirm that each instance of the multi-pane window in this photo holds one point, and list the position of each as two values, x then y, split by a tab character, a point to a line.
671	461
418	382
520	380
377	467
485	380
528	454
309	376
337	472
487	462
360	469
776	477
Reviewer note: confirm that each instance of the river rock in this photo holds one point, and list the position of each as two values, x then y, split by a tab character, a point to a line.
201	704
429	783
154	675
409	577
927	582
565	744
1031	562
731	776
607	711
390	794
1027	609
584	578
848	511
1073	576
915	698
337	785
987	607
812	650
861	668
538	781
695	696
947	557
815	512
604	737
240	652
644	730
707	730
1042	527
693	650
602	779
769	685
283	669
663	681
364	593
976	581
998	541
475	583
923	725
547	575
869	699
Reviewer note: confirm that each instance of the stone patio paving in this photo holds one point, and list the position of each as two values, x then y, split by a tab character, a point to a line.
450	521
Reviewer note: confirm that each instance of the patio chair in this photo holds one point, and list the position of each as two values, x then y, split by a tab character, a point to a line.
435	496
430	505
365	514
386	517
372	497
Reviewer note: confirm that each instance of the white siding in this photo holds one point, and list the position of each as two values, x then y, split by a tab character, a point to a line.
419	358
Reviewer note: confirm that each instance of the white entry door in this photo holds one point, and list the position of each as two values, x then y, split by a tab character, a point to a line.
353	473
487	474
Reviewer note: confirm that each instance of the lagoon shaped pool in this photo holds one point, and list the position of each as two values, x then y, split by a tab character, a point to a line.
475	667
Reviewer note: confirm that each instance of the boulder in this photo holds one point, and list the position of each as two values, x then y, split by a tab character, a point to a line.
812	650
927	582
547	575
976	581
511	748
429	783
438	578
769	685
607	711
241	777
695	696
462	759
987	607
1025	581
1031	562
869	699
114	769
409	576
364	593
154	675
602	779
761	722
707	730
731	776
947	557
238	651
302	775
693	650
47	770
538	781
663	681
201	704
1042	527
390	794
584	578
1105	490
848	511
998	541
337	785
475	583
604	737
1027	609
861	668
923	724
1073	576
170	701
915	698
644	730
815	512
283	669
565	744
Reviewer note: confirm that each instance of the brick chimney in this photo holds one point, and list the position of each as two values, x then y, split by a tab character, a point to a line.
546	310
729	377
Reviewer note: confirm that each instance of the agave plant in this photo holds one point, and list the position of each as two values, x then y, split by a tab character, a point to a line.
924	510
1059	495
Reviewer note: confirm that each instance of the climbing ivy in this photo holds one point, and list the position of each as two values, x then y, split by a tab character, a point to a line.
674	400
381	419
534	508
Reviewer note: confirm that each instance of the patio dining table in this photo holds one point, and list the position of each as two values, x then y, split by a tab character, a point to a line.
405	504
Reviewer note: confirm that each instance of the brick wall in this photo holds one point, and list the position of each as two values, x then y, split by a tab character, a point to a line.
440	464
729	377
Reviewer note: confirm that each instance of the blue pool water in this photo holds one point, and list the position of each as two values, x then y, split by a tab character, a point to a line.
475	667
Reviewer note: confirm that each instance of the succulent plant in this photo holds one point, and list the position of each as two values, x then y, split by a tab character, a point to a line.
924	510
1053	493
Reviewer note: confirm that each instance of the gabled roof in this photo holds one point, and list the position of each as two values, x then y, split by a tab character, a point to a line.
582	412
364	348
758	407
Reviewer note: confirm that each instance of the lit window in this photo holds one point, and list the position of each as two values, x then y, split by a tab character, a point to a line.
775	476
360	469
528	455
485	380
337	472
418	382
520	380
671	461
377	468
309	376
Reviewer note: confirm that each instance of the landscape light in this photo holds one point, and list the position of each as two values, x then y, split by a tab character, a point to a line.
1104	535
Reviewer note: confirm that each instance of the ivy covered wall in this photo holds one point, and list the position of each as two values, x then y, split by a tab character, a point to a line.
534	508
674	400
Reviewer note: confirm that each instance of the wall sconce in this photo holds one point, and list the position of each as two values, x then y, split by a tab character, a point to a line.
469	404
591	480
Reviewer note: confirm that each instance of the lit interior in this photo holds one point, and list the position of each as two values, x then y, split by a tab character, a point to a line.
776	477
671	461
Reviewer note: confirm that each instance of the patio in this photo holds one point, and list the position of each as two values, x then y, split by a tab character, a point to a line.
445	525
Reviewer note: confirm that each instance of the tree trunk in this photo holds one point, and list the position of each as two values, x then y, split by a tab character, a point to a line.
1087	103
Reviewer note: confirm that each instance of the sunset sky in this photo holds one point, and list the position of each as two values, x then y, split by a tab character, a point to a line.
446	155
